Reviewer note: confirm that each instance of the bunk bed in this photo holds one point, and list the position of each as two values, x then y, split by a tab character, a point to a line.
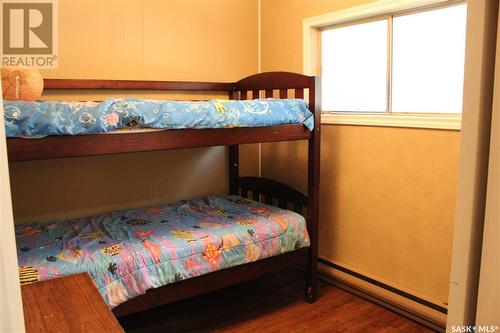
267	191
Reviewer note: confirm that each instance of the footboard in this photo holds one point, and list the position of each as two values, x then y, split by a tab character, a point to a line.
285	85
273	193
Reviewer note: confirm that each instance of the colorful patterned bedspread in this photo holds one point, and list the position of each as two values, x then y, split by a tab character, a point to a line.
37	119
129	252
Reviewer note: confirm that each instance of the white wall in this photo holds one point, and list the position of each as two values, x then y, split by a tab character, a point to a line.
11	311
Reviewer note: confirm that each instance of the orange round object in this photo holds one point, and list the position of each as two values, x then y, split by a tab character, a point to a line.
21	84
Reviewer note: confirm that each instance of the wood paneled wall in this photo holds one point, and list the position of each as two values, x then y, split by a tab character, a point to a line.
188	40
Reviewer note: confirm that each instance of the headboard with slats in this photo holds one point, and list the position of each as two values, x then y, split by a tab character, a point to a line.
272	192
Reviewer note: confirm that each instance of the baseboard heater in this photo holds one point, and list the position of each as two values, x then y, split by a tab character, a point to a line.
414	315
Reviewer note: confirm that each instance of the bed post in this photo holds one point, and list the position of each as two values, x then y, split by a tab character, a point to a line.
313	188
234	158
233	169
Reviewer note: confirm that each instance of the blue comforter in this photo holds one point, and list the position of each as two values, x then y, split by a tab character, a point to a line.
128	252
37	119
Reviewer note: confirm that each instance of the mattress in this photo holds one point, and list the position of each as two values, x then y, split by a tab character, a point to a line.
43	118
128	252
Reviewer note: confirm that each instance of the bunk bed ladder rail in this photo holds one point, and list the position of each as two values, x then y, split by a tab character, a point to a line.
285	85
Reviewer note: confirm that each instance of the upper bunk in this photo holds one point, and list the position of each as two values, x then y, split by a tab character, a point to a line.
280	85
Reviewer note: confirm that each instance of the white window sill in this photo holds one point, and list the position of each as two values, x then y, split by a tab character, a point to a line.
385	120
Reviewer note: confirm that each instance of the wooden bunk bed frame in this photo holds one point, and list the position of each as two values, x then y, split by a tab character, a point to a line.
260	189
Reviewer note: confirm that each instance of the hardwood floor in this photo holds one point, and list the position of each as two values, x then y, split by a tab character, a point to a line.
271	304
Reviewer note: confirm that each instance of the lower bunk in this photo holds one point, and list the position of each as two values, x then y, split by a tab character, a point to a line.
143	258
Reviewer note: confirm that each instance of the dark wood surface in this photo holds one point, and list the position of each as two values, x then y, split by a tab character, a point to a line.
313	172
209	282
101	144
234	168
274	81
63	84
285	195
271	304
68	304
285	83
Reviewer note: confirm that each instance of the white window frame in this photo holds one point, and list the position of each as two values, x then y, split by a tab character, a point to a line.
381	9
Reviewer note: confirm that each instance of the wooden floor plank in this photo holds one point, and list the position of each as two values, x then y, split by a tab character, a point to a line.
271	304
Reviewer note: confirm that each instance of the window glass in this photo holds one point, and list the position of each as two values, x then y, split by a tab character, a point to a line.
428	61
354	67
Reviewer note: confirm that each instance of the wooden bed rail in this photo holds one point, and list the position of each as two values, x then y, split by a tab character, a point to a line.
259	82
64	84
104	144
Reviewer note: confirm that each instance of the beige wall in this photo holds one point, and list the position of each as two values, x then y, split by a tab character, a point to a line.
151	40
157	39
387	194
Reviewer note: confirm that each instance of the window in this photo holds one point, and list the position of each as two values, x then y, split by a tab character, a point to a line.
354	67
409	63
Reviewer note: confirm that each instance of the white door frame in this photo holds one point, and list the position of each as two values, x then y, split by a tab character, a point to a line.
11	309
488	301
476	126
